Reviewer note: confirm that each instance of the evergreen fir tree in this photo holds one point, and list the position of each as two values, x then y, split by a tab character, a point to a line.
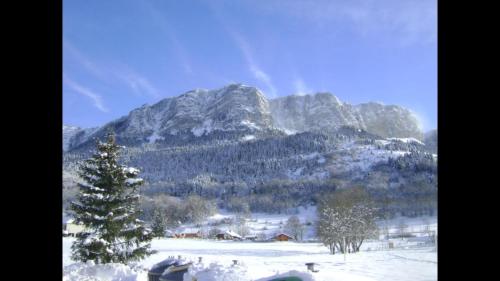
159	223
107	206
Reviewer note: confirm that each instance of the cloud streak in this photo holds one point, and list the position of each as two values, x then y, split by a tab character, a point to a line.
180	51
139	84
301	87
96	98
118	72
242	44
83	60
257	72
409	21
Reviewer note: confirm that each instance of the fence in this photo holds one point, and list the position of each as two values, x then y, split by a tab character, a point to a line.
409	240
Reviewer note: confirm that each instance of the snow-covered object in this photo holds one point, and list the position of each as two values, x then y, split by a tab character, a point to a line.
304	276
233	234
217	272
103	272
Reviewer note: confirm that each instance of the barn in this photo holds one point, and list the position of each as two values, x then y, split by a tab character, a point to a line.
282	237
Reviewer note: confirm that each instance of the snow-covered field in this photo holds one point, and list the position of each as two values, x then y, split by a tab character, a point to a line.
261	260
410	259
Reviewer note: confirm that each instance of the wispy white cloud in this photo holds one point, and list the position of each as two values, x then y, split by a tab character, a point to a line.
96	98
139	84
301	87
257	72
245	49
181	52
108	72
83	60
408	21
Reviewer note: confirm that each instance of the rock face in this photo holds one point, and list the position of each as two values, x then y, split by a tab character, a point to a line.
240	109
313	113
389	121
324	111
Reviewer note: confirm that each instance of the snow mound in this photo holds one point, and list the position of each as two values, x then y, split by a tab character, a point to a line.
217	272
305	276
103	272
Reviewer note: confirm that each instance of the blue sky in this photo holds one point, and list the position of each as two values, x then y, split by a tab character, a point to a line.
121	54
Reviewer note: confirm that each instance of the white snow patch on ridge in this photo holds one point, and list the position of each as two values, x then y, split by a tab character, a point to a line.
248	137
250	124
205	128
406	140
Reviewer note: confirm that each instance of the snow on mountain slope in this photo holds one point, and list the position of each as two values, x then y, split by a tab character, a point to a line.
241	108
235	107
389	120
68	133
312	112
324	111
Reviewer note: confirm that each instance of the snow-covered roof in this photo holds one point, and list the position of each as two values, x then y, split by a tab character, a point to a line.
189	230
233	234
281	233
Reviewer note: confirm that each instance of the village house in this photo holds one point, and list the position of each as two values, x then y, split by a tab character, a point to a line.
282	237
228	235
189	233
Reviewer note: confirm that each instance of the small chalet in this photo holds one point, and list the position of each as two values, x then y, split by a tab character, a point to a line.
189	233
229	235
282	237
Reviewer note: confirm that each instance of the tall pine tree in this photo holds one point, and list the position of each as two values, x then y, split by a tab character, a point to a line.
108	207
159	223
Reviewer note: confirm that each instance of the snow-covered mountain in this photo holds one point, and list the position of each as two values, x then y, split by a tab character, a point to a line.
430	140
68	133
234	142
324	111
244	111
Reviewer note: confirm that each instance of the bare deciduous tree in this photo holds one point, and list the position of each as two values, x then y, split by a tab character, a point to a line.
295	228
347	218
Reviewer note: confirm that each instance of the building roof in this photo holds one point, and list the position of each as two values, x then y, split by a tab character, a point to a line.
281	233
231	233
189	230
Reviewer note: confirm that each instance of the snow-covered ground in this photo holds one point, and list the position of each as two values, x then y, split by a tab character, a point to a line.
270	224
261	260
410	259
